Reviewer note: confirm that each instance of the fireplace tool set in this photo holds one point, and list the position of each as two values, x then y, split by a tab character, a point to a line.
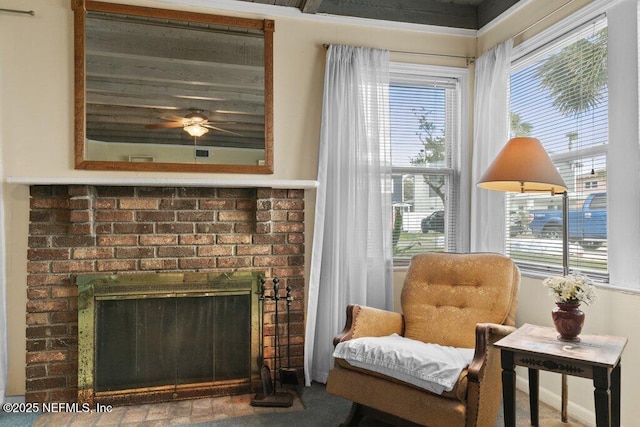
269	396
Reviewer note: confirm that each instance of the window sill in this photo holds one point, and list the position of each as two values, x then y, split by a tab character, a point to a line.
400	268
598	284
402	265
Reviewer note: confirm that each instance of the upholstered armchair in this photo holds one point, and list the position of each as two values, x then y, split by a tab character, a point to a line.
465	301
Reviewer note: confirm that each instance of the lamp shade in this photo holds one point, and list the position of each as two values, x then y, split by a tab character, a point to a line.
522	166
195	129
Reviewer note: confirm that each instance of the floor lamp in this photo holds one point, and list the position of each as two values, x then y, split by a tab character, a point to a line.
523	166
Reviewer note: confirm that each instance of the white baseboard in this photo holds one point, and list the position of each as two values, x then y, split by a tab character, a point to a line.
583	415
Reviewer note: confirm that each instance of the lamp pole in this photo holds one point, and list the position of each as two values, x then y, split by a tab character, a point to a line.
565	271
524	166
565	233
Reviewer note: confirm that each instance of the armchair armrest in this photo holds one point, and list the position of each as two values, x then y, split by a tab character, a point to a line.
483	374
486	335
363	321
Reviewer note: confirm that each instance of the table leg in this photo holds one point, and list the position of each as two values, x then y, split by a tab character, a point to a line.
564	411
602	396
615	395
508	388
534	381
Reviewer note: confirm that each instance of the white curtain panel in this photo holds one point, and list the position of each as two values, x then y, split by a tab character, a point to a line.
490	134
351	260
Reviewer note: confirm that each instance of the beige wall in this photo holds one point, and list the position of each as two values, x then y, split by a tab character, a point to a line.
36	115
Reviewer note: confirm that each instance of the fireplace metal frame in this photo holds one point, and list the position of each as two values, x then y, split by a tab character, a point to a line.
92	288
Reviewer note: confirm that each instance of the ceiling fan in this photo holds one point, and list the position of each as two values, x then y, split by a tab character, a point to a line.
195	124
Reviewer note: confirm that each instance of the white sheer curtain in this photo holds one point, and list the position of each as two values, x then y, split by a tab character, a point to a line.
490	134
351	260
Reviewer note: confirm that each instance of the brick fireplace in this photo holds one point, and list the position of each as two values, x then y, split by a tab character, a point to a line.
87	229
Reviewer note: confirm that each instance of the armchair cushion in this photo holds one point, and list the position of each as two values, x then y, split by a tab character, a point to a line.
429	366
459	392
445	295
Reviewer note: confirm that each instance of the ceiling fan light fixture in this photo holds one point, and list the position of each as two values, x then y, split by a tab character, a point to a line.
195	117
195	130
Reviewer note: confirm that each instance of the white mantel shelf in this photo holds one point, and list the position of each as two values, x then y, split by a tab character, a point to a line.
290	184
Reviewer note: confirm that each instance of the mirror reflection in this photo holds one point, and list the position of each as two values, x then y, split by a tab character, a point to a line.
177	91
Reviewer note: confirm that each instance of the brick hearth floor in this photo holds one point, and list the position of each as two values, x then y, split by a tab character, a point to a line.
162	414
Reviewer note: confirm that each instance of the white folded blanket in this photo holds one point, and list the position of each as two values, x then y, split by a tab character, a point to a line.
430	366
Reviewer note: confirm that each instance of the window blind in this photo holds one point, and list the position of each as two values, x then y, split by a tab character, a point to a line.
424	132
558	94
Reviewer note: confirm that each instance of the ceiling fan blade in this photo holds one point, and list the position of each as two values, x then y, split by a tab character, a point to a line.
164	125
172	118
233	112
220	130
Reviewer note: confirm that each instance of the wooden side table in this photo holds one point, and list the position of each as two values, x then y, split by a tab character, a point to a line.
537	348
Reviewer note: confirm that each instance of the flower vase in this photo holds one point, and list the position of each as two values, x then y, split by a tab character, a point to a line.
568	319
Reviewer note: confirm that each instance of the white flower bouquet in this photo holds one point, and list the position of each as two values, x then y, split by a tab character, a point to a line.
571	289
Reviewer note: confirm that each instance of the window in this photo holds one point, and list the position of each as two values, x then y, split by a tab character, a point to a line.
559	94
590	184
425	113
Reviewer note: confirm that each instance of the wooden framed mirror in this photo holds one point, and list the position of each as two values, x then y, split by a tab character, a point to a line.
172	91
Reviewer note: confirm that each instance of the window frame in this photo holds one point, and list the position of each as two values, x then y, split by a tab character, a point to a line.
460	172
623	226
545	43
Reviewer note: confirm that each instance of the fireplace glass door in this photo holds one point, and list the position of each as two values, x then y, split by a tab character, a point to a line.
157	337
153	342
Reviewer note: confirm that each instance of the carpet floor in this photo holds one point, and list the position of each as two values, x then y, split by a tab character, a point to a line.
313	407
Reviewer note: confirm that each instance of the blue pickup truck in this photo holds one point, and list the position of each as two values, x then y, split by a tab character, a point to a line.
587	226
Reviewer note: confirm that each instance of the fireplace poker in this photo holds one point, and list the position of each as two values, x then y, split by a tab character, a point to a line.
276	337
265	372
288	375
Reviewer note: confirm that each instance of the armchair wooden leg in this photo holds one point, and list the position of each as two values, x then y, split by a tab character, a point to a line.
354	417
